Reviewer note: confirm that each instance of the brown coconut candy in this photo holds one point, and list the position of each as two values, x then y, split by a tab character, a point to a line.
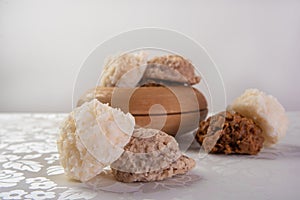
230	133
151	155
170	70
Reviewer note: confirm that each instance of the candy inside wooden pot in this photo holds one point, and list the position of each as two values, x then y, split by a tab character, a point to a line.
172	109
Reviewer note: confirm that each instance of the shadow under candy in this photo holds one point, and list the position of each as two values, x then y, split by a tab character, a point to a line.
106	182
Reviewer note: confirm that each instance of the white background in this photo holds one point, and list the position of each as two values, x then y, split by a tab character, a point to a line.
255	43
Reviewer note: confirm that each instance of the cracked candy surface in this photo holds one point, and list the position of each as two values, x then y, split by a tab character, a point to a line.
148	150
230	133
172	68
182	165
150	155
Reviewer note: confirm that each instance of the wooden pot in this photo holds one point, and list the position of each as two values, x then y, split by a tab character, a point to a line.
174	109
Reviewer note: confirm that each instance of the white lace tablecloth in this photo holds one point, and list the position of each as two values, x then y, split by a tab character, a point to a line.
30	169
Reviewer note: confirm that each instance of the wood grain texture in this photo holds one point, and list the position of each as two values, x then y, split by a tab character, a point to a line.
172	124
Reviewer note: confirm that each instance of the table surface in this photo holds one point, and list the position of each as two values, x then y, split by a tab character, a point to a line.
30	169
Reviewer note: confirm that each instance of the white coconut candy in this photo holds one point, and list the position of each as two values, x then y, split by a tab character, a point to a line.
266	112
121	65
93	137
